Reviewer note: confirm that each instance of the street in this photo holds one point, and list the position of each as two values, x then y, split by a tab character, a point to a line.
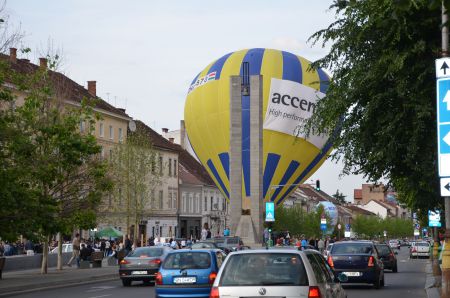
408	282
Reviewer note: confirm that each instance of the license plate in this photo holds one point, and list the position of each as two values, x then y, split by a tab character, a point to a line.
353	273
184	280
138	272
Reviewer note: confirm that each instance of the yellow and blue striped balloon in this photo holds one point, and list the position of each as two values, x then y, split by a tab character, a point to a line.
288	160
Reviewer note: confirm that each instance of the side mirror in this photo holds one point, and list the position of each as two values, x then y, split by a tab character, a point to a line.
342	277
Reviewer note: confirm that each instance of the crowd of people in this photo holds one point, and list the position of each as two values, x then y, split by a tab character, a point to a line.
285	239
19	248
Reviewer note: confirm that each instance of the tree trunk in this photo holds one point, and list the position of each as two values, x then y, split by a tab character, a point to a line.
44	266
59	266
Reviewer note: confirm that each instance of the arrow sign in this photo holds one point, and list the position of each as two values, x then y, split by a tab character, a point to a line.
447	139
444	67
447	100
445	187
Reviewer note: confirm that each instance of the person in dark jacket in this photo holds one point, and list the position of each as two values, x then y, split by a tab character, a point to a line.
86	252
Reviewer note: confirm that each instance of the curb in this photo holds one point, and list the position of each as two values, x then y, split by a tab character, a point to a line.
432	285
57	285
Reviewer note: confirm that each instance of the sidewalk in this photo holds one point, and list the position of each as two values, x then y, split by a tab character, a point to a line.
24	281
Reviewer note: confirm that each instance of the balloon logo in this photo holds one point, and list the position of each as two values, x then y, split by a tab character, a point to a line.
290	90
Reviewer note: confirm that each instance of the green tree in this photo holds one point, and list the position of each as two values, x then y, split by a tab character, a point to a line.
136	172
382	96
64	179
340	197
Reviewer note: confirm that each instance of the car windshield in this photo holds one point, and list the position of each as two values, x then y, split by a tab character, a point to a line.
383	250
351	248
232	240
203	245
145	252
264	269
187	260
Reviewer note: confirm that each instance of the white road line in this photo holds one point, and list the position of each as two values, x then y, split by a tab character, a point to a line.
100	296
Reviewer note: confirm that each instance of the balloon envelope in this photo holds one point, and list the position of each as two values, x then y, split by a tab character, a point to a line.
290	92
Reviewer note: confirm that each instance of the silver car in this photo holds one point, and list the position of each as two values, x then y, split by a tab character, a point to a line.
276	273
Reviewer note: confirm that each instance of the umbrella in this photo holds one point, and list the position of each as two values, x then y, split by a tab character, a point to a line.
109	232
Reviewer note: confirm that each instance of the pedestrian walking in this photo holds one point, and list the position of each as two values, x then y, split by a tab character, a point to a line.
226	232
205	231
321	245
75	251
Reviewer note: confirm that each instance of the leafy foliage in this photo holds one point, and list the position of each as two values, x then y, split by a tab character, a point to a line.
383	94
371	227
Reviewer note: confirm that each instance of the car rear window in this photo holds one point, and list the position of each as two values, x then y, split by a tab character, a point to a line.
352	248
264	269
383	250
146	252
422	244
203	245
232	240
187	260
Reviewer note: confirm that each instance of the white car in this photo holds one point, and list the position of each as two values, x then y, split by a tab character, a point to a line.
420	249
67	247
276	273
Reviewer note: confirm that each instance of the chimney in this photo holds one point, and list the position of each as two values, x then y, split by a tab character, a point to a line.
171	140
92	87
182	134
13	55
43	63
165	130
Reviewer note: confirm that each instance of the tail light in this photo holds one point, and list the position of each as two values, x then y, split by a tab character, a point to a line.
155	262
124	262
214	293
371	261
391	255
330	261
212	277
158	279
314	292
413	249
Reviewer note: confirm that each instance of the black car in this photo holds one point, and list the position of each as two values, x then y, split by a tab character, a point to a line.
388	257
209	244
359	261
142	264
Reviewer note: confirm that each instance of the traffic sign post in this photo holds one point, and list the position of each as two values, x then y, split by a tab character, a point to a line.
270	212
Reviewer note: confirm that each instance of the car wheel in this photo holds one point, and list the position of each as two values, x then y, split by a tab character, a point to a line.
126	282
395	270
377	284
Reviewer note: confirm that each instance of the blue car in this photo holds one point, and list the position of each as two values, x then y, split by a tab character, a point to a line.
359	261
188	272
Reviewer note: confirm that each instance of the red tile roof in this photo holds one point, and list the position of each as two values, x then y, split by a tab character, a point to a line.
356	209
75	92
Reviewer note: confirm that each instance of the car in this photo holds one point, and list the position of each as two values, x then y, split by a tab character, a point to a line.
276	273
230	243
67	247
188	272
387	256
394	244
359	261
327	250
420	249
142	264
209	244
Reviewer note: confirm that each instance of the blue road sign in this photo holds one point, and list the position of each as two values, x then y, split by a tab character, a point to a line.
434	218
347	227
443	125
323	227
270	211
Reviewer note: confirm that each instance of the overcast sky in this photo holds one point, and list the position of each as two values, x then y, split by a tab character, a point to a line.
144	54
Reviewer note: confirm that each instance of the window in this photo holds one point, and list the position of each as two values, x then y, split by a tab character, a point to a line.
120	135
327	272
101	130
82	126
206	204
188	260
175	167
184	202
102	153
224	204
174	197
318	272
160	165
170	166
161	199
152	198
111	132
212	202
190	203
170	200
120	196
110	155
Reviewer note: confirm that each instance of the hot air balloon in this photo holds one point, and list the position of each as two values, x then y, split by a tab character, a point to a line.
290	92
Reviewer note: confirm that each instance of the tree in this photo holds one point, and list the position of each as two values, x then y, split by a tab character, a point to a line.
340	197
136	174
63	177
371	227
382	96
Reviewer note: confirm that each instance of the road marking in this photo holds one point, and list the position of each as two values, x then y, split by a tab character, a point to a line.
100	288
101	296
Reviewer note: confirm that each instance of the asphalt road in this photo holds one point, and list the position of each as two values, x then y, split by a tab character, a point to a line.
408	282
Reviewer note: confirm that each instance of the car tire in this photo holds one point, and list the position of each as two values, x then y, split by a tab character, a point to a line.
126	282
377	283
395	270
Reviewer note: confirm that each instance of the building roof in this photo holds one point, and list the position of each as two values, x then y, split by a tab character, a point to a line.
194	167
358	210
187	177
75	92
158	141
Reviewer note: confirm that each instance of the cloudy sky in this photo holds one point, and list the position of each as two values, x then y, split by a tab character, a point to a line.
144	53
